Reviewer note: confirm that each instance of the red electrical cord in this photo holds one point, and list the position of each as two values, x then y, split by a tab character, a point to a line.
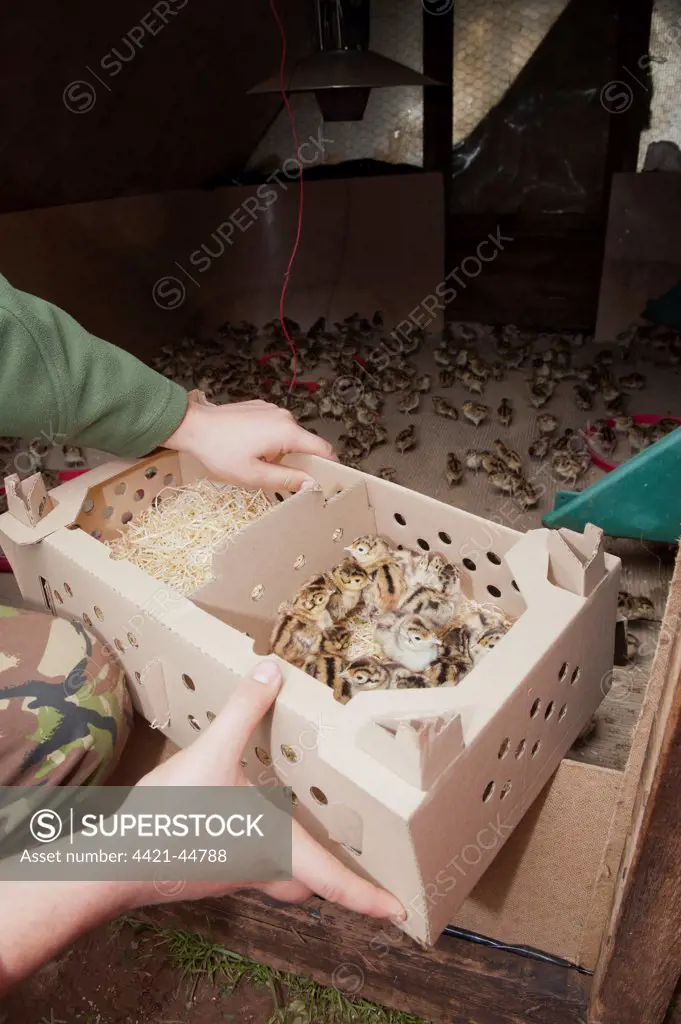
296	244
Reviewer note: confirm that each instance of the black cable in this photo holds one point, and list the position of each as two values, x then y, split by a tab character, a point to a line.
527	951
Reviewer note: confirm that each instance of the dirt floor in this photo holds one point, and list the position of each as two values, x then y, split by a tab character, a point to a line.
129	973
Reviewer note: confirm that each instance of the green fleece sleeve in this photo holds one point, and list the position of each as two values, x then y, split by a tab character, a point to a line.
70	386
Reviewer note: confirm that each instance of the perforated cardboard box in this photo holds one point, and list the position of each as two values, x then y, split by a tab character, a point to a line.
416	789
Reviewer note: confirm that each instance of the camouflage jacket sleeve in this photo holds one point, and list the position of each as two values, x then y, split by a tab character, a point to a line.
58	380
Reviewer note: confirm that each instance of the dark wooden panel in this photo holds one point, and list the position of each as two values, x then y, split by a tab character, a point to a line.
80	122
457	982
547	275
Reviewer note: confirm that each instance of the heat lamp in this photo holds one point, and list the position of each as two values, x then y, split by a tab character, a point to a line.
343	70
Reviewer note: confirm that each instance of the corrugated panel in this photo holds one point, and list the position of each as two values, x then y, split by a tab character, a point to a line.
665	47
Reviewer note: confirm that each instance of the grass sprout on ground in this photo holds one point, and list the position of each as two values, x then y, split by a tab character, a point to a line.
295	1000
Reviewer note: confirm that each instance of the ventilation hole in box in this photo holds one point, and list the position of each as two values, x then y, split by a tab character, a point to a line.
97	534
120	488
444	537
99	613
138	678
67	590
299	562
294	799
489	789
150	472
494	558
118	645
520	749
574	677
505	790
278	496
562	713
494	591
87	621
549	710
515	585
108	512
194	724
168	479
289	753
470	564
318	795
563	671
88	505
399	518
59	597
126	517
503	749
132	640
257	592
244	764
157	501
211	716
535	748
139	494
188	681
263	756
337	534
535	708
106	651
423	544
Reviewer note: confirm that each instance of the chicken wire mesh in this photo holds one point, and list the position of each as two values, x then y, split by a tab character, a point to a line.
493	40
665	69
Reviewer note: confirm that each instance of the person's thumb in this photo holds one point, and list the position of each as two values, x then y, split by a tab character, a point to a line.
272	477
229	733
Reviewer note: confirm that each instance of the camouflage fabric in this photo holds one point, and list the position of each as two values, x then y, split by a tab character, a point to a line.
65	711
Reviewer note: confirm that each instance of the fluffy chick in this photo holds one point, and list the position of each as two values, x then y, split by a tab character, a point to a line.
349	580
408	640
363	674
386	589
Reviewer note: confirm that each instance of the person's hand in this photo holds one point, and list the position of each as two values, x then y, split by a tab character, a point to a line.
214	759
240	443
72	907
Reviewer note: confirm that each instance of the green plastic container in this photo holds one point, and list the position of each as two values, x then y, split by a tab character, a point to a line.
639	499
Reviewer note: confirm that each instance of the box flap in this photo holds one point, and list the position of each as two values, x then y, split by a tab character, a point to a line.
67	501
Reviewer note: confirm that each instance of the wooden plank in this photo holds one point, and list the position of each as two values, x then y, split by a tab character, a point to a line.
438	63
640	963
627	97
642	249
457	982
674	1015
622	694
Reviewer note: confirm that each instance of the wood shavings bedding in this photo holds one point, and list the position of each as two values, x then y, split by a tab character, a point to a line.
176	538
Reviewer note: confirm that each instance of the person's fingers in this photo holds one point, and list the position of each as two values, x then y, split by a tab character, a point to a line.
302	441
225	740
287	892
272	477
325	875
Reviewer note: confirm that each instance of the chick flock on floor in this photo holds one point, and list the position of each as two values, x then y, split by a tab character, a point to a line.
426	631
245	361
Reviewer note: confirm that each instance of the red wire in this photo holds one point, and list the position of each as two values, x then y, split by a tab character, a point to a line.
294	132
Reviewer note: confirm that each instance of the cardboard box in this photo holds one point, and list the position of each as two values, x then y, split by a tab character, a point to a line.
416	789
